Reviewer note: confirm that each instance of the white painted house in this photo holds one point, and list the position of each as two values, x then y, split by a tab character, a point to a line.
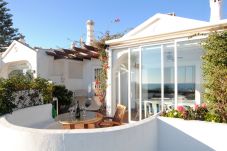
157	65
76	68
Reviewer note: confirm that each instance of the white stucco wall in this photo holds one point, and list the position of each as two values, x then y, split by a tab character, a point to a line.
182	135
151	134
17	53
44	64
75	75
88	72
131	137
29	117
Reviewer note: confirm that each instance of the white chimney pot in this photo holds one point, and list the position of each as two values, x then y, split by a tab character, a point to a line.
215	10
90	32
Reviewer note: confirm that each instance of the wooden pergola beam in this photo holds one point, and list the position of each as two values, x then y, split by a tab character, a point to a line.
86	52
77	54
90	47
92	54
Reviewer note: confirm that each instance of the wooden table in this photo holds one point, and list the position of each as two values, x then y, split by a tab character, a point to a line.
69	121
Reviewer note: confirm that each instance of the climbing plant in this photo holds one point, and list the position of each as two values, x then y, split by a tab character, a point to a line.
215	73
101	82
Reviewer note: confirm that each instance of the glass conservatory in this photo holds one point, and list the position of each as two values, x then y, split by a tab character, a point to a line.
154	77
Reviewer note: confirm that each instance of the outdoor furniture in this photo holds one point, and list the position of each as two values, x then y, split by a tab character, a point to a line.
87	121
116	120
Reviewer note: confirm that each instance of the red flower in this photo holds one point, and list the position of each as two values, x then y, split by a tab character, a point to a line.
105	66
104	58
203	105
97	82
180	109
196	106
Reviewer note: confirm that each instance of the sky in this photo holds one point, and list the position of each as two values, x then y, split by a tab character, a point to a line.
56	23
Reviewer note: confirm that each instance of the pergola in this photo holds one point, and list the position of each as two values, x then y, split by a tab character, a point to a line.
76	53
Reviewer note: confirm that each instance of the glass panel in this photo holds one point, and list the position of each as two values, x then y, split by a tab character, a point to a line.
189	72
135	105
151	80
120	79
168	58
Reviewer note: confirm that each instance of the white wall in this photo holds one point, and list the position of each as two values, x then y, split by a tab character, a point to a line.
28	117
19	52
134	137
44	64
88	72
75	75
151	134
182	135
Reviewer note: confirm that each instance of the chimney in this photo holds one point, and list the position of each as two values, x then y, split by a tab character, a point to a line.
90	32
215	10
172	14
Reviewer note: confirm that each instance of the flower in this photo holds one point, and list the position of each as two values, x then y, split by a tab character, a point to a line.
203	105
196	106
105	66
97	82
180	109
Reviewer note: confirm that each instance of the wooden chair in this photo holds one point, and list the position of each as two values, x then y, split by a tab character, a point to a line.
116	120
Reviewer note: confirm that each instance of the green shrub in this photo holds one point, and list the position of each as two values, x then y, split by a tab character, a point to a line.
64	97
23	83
215	73
211	117
172	113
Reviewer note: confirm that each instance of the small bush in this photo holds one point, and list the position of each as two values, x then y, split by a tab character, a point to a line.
211	117
64	97
189	113
25	90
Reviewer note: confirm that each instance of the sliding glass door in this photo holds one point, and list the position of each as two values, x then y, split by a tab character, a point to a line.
135	84
149	79
189	77
168	72
120	79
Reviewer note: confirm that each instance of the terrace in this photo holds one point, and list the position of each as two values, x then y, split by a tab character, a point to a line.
154	133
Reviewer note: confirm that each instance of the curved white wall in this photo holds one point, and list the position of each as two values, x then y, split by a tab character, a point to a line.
33	117
132	137
152	134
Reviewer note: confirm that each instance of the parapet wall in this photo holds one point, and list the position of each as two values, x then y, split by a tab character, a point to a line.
152	134
131	137
29	117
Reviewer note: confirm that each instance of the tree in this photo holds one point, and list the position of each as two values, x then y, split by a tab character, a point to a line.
215	73
7	32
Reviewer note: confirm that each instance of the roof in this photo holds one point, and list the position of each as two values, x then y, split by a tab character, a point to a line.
162	27
163	23
76	53
15	42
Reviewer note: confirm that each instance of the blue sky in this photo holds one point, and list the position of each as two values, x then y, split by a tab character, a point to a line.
55	23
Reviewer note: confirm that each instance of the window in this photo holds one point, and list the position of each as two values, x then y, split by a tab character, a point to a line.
97	76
